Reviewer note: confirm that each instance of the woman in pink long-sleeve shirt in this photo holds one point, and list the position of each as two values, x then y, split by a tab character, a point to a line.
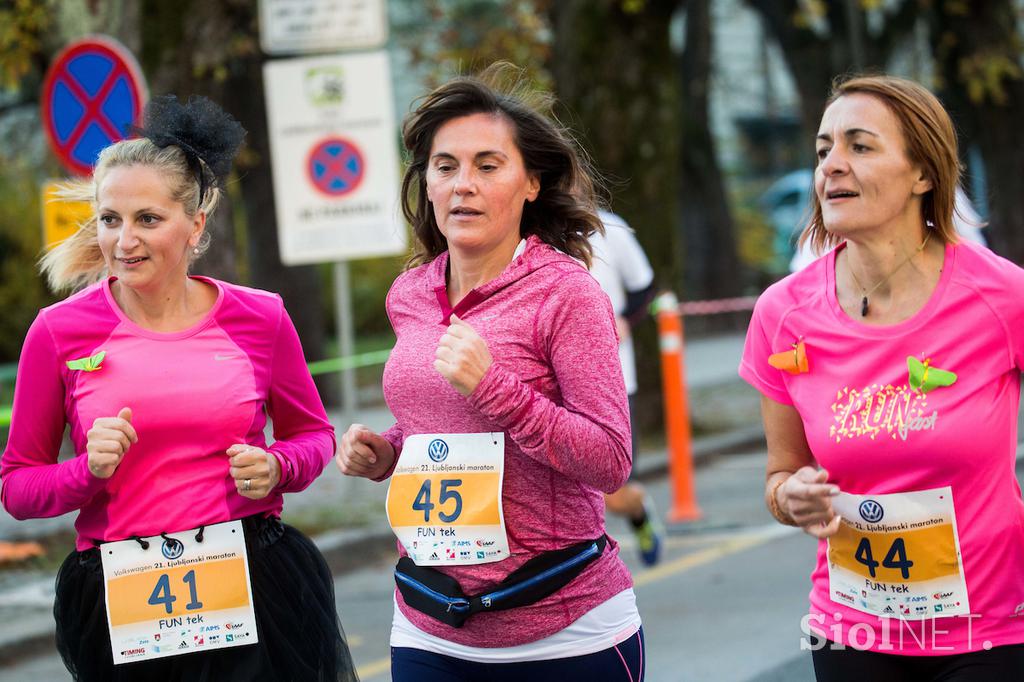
166	382
506	362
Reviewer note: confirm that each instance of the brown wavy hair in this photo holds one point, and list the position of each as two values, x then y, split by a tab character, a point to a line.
564	214
930	143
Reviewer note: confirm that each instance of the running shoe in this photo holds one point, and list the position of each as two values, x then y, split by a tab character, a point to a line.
648	539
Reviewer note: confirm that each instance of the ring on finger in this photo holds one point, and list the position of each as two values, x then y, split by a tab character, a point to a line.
247	485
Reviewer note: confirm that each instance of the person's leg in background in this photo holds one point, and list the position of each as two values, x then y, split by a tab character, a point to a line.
631	501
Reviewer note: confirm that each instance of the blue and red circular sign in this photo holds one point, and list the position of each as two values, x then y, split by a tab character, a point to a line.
335	166
92	92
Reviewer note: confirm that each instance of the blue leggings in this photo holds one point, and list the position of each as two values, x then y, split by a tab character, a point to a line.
623	662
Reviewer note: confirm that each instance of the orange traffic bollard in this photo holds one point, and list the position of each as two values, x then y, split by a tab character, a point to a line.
677	409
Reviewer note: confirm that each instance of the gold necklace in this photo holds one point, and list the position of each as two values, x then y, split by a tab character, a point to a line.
864	300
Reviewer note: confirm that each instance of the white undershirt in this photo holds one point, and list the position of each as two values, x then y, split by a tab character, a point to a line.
604	626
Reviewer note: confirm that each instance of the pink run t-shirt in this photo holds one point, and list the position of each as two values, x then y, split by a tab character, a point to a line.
875	434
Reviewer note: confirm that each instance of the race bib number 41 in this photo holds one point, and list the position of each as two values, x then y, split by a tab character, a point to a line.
178	595
444	501
898	555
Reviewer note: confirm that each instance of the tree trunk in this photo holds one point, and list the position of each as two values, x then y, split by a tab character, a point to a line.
175	39
300	286
623	106
616	73
705	222
978	53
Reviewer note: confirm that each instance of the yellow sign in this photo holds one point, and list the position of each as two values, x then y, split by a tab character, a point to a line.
61	218
180	591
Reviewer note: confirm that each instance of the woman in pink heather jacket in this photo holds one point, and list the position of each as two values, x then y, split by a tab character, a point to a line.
165	382
502	331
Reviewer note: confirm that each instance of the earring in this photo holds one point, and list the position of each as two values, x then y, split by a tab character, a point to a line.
196	251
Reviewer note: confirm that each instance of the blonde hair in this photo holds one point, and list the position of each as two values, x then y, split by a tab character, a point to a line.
930	143
77	261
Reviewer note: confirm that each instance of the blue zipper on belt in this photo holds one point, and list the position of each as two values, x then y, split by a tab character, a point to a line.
456	604
488	599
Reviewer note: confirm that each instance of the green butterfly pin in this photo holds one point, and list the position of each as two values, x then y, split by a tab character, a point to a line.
89	364
924	377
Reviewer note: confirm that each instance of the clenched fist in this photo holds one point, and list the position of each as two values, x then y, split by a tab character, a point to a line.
254	470
462	356
107	442
362	452
807	497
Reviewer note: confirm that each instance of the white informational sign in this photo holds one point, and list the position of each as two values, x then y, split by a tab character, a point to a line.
304	26
335	159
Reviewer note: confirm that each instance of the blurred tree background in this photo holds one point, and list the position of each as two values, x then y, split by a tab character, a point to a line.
689	108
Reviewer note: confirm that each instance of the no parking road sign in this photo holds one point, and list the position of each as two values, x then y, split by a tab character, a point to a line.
332	132
335	166
92	92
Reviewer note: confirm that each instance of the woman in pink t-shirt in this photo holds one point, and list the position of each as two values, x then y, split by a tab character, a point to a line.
183	569
890	372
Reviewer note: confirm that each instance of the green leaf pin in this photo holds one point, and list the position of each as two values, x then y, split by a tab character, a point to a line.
924	378
89	364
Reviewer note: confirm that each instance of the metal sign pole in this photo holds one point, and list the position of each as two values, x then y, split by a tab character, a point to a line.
346	341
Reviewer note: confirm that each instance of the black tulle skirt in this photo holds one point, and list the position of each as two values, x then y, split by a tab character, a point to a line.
300	637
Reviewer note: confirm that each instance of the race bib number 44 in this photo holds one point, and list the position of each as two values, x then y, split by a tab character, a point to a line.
444	500
898	555
178	595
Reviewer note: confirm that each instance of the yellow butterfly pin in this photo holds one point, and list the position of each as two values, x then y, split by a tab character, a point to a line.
923	377
89	364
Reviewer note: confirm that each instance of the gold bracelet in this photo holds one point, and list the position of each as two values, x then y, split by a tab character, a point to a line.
775	509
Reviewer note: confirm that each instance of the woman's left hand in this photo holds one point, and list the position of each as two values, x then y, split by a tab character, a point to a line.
462	356
254	470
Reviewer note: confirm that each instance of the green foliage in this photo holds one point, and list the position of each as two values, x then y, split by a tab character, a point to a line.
984	75
756	241
22	25
22	292
371	280
471	34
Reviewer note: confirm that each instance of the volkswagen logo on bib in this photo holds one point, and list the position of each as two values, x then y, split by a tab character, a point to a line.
172	548
871	511
437	450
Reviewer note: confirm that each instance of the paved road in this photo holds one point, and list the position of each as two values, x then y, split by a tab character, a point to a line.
723	606
734	576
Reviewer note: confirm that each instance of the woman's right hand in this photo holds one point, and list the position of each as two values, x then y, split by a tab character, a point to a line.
108	441
806	497
362	452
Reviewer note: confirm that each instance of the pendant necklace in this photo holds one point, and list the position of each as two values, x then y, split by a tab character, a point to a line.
864	300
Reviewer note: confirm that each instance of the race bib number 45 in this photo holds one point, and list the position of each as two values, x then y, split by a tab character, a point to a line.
898	555
178	595
444	500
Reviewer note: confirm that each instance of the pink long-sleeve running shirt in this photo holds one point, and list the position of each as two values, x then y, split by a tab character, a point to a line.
555	389
193	394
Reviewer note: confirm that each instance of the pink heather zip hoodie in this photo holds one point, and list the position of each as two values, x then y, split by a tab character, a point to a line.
556	391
